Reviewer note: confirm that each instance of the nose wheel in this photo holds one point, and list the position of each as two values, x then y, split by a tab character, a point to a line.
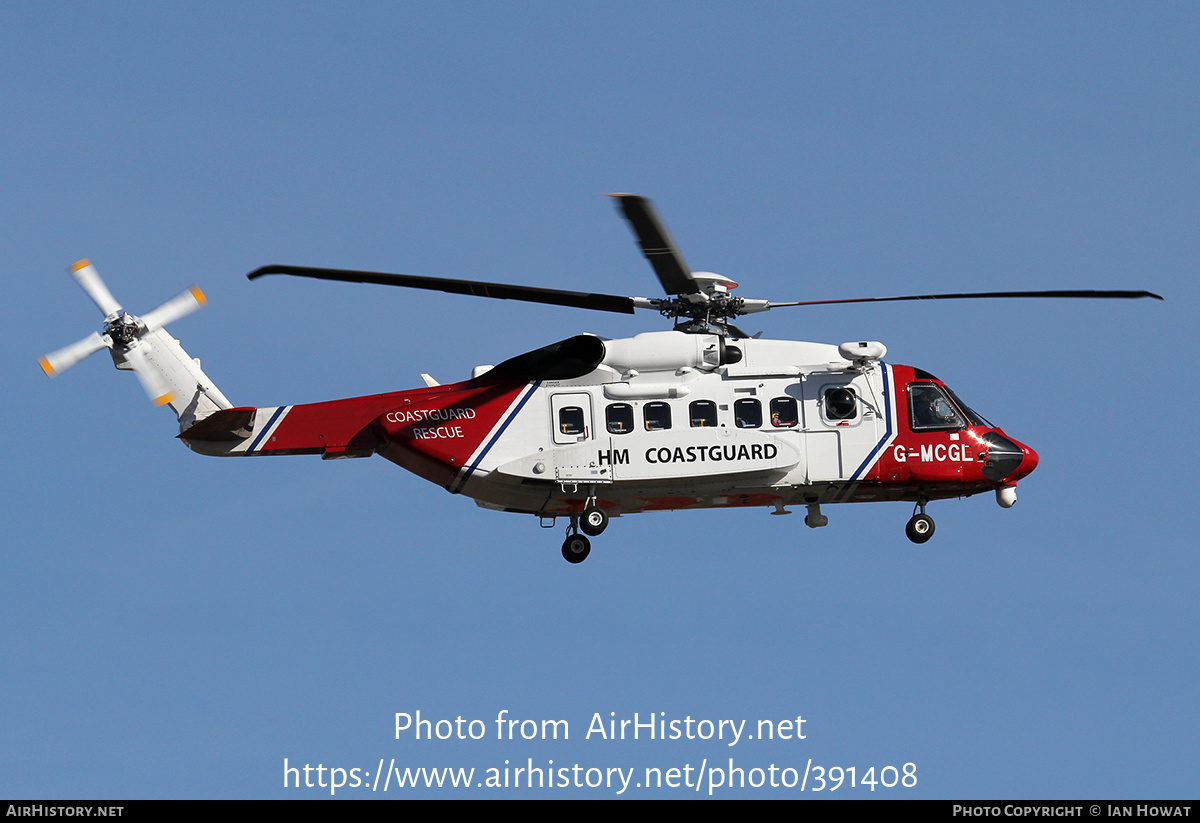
920	527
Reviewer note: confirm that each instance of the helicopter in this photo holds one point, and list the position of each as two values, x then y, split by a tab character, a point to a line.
587	429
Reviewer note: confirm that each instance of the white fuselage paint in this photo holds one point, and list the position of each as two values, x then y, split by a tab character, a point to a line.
534	464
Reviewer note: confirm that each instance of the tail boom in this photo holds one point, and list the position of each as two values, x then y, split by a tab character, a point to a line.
333	429
440	433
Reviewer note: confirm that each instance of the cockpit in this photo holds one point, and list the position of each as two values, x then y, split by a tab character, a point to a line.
935	408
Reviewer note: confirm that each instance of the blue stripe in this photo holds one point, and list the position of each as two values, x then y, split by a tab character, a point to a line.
469	470
887	407
263	434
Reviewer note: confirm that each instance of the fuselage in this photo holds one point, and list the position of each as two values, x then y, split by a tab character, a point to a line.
667	420
660	421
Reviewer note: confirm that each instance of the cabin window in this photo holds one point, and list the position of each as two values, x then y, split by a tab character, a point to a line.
840	404
929	409
747	412
657	416
619	417
703	413
570	420
784	414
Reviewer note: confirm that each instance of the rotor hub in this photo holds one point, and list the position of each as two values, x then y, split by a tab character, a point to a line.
123	330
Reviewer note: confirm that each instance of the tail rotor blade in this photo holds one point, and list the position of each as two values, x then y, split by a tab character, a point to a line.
175	308
156	388
68	356
89	279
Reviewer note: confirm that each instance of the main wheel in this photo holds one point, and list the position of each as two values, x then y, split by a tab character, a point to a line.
576	548
920	528
594	521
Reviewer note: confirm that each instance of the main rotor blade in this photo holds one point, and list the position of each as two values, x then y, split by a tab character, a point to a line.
175	308
501	291
657	246
88	278
1086	293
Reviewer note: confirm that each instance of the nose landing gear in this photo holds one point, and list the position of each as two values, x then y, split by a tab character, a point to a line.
920	527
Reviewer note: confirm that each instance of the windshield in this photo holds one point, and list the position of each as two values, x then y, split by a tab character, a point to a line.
936	408
975	417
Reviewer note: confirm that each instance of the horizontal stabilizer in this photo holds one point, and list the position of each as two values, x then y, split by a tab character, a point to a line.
223	426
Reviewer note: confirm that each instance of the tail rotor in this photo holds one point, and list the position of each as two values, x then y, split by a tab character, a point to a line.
133	341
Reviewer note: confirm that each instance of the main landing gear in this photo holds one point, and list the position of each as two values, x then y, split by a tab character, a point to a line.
576	548
920	527
592	522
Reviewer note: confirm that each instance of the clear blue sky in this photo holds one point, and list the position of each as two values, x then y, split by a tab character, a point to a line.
177	626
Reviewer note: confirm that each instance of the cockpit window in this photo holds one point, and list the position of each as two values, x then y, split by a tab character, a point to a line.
929	409
975	417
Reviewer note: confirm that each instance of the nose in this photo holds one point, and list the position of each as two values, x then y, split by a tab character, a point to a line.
1007	459
1029	461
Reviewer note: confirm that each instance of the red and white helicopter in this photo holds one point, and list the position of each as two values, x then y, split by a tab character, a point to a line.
587	429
